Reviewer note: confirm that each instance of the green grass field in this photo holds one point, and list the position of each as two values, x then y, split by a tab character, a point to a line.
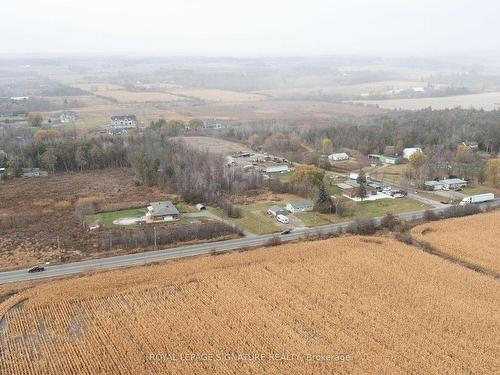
314	219
480	189
383	206
281	176
185	208
254	217
107	218
393	174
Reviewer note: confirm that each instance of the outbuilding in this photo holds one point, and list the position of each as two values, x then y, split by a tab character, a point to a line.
31	172
389	160
407	152
200	207
434	185
338	156
277	169
453	183
275	210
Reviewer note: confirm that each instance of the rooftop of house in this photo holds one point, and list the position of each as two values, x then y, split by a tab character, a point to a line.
301	204
453	181
277	168
339	155
163	208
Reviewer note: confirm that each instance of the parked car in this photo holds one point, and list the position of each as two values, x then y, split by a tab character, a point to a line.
36	269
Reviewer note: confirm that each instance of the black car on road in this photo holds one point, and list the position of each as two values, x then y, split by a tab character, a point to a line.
36	269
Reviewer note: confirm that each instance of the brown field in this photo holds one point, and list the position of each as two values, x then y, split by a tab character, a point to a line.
215	145
387	307
124	96
473	239
220	95
487	101
356	89
32	216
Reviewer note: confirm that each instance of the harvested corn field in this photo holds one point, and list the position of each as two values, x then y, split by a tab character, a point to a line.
473	239
361	305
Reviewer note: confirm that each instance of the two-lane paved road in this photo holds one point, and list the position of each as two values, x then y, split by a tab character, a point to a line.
186	251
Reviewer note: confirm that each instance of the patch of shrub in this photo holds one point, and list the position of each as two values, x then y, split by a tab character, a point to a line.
273	241
404	237
85	201
459	211
362	226
42	202
389	221
429	215
62	205
230	209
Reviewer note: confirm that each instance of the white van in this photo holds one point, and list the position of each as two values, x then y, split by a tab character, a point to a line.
283	219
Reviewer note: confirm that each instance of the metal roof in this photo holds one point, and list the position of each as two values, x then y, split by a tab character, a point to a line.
301	204
453	181
163	208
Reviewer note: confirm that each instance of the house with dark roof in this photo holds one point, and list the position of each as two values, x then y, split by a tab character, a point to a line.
162	211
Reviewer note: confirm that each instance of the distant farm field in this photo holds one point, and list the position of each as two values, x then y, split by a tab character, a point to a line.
220	95
353	305
122	95
474	239
379	87
215	145
487	101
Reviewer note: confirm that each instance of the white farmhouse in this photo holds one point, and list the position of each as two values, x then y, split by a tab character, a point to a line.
338	156
277	169
407	152
300	206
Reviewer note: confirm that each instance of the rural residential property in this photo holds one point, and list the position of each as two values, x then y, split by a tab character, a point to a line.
250	188
165	211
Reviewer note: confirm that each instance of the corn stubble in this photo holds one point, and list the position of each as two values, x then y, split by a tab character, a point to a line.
474	239
392	308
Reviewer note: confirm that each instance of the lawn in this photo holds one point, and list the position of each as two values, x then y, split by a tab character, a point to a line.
391	173
286	176
480	189
254	217
185	208
314	219
383	206
363	209
107	218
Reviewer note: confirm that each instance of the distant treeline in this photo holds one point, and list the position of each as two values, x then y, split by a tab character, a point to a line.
68	155
372	134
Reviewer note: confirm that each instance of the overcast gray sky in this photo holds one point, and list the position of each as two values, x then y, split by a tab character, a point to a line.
250	27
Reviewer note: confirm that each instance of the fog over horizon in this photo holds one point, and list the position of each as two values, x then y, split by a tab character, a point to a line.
247	29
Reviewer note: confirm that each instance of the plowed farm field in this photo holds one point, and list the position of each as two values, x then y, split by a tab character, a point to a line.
473	239
351	305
